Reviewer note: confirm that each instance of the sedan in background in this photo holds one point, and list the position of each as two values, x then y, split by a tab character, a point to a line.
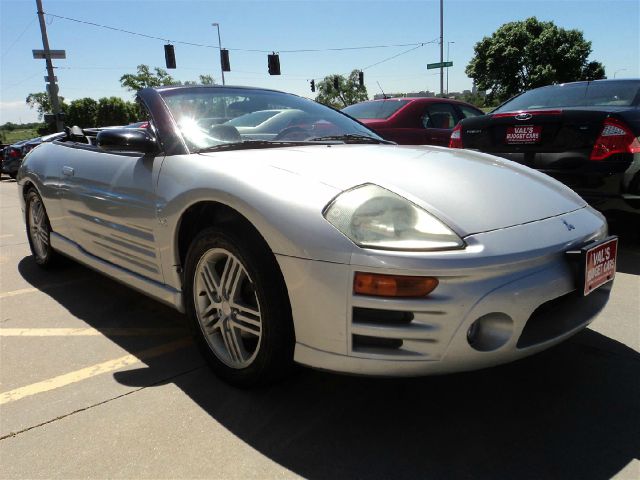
413	121
584	134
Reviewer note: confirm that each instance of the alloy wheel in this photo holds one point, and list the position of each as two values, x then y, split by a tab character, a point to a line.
227	308
38	228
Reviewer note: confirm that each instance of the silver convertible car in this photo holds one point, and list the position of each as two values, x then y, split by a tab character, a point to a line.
318	242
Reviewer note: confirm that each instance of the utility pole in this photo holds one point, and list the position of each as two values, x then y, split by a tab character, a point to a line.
52	86
217	25
441	48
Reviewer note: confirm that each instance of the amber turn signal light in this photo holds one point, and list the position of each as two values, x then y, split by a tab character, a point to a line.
393	285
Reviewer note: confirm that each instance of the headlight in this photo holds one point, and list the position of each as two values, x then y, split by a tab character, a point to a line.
373	217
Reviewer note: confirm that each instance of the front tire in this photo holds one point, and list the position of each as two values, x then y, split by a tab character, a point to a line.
238	307
39	230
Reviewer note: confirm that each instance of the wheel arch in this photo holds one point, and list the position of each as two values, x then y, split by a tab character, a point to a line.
209	213
28	185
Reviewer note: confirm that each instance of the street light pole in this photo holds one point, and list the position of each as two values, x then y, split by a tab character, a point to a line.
448	44
616	72
441	48
217	25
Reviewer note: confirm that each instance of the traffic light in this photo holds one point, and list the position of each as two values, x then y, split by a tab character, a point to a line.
361	78
274	64
170	56
313	85
336	83
224	60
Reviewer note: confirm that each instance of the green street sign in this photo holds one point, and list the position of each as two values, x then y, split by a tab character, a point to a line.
431	66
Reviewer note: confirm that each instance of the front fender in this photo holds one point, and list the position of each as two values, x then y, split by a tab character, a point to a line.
286	209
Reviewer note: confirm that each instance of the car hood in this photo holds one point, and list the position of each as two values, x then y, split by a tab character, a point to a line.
471	192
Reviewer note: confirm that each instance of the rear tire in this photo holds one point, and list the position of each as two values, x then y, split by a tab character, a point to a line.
39	231
238	307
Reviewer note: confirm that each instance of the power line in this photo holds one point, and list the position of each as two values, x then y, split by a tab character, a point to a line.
19	37
398	55
203	45
13	85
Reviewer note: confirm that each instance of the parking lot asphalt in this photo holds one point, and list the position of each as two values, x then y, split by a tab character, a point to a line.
98	381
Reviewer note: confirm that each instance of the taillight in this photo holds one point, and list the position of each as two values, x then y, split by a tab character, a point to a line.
615	137
456	137
13	153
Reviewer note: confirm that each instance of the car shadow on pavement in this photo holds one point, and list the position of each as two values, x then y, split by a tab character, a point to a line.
570	412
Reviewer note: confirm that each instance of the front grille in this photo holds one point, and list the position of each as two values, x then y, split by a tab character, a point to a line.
561	315
399	333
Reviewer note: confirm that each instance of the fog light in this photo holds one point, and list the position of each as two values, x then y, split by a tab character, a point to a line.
393	285
472	333
490	332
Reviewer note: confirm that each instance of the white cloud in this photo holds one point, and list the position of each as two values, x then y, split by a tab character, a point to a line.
17	111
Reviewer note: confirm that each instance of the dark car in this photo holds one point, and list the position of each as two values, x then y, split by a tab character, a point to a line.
413	121
584	134
14	153
2	147
12	157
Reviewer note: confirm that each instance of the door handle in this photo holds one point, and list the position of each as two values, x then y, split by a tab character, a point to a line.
68	171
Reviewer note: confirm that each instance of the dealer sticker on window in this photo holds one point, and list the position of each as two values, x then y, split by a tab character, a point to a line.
600	265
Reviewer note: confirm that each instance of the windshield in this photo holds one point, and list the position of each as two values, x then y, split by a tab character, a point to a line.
218	117
379	109
252	119
585	94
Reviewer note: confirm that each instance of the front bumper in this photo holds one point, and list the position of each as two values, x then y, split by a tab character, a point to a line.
515	283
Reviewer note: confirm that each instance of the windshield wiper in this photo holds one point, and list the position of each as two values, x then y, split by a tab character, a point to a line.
247	144
350	138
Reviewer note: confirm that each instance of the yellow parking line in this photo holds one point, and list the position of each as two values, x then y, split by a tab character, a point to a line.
17	292
88	332
92	371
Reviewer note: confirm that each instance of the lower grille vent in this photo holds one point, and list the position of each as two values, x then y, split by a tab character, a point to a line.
382	317
366	342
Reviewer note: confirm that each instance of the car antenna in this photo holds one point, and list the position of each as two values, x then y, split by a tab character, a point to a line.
380	87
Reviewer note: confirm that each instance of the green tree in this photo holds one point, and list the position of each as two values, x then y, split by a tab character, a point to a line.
146	78
206	80
114	111
40	101
528	54
203	80
82	112
348	92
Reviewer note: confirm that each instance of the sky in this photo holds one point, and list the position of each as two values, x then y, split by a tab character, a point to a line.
96	58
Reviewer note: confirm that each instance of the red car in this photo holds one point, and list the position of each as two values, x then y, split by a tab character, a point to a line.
413	121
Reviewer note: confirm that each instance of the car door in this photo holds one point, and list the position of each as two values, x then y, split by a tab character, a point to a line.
110	200
438	120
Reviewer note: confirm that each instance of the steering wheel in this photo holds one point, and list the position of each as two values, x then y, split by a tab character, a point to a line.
293	133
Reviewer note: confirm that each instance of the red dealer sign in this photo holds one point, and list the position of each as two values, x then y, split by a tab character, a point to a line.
523	134
600	265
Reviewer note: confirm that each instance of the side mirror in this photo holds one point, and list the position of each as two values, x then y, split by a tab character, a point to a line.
126	140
